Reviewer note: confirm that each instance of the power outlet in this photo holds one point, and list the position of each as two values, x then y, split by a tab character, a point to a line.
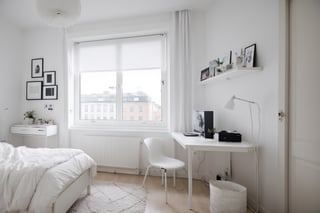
49	107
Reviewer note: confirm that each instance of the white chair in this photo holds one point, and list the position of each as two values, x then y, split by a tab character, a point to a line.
159	160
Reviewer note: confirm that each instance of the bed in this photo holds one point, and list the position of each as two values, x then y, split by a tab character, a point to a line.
42	179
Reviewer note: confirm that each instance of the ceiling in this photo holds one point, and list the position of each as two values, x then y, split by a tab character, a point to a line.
23	12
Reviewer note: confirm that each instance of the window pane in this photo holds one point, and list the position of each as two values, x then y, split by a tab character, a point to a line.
142	95
141	53
95	58
98	93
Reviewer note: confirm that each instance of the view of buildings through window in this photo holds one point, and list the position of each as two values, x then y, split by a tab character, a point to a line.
138	106
121	79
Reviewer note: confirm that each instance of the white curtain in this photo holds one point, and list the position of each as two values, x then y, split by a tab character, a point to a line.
181	83
67	74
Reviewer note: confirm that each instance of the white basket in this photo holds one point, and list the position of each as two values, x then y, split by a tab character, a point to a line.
227	197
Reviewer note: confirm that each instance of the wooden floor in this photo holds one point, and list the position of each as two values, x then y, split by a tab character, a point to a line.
177	197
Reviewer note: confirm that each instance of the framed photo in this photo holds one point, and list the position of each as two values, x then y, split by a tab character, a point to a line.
250	56
34	90
212	68
49	78
205	74
50	92
227	59
37	68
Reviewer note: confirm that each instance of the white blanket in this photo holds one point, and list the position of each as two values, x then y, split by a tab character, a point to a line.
26	183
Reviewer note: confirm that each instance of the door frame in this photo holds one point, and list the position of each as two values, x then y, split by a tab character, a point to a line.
283	105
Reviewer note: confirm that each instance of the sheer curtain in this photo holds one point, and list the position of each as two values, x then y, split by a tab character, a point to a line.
181	96
68	91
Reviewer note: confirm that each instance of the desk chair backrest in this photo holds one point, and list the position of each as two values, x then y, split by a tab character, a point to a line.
155	149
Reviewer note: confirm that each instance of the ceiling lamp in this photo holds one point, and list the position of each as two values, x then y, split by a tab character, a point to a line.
59	13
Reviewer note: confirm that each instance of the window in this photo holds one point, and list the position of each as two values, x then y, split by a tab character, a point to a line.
113	75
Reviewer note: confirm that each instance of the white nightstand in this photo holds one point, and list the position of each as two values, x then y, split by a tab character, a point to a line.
45	130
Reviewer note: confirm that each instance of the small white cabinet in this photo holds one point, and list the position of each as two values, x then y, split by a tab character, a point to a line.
45	130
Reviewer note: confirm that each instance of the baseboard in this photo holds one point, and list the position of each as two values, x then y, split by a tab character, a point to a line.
118	170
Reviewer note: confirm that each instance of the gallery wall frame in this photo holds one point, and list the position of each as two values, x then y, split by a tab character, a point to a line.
34	90
50	92
49	78
37	67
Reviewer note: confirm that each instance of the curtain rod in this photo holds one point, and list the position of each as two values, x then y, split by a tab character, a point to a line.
125	37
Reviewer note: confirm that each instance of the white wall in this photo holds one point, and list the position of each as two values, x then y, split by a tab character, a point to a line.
45	43
10	78
231	25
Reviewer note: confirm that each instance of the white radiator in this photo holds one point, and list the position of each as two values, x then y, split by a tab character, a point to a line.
112	153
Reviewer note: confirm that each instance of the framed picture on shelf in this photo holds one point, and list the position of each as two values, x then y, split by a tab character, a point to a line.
34	90
50	92
227	59
49	78
37	68
212	68
250	56
205	74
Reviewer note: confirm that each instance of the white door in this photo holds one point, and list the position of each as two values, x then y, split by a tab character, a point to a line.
304	106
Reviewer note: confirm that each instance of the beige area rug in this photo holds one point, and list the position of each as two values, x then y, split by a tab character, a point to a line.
112	197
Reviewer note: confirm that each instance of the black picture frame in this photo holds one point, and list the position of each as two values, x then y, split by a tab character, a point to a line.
37	68
205	74
49	78
50	92
33	90
250	56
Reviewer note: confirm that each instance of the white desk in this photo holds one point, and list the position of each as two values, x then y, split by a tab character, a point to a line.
193	144
44	130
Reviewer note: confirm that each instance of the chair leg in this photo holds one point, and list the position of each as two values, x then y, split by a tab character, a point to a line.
165	184
145	175
174	178
89	189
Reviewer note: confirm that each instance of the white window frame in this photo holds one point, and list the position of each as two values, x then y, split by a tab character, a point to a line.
120	124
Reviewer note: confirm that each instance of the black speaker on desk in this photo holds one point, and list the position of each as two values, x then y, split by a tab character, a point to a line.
202	122
229	136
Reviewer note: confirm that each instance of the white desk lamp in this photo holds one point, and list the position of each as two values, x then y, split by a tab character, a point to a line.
230	105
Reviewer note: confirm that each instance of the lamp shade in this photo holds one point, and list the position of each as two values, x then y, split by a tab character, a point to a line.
230	104
59	13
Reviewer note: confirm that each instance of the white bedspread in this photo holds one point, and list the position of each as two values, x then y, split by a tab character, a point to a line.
32	179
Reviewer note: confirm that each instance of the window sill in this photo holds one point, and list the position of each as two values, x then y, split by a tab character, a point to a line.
118	129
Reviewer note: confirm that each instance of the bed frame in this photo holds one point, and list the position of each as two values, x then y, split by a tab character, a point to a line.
72	193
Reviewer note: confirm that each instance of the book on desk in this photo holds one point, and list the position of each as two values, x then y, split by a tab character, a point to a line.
190	134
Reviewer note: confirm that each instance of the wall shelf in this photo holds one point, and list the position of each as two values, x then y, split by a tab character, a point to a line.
45	130
232	73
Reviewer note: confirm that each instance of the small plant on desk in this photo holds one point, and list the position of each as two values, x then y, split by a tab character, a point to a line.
30	115
212	131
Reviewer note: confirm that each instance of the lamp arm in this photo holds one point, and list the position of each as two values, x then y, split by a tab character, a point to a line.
244	100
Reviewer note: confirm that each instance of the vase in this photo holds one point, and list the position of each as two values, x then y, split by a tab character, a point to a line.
28	121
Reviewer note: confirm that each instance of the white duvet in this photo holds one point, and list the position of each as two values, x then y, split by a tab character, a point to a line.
32	179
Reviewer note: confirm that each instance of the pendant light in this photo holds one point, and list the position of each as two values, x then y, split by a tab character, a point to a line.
59	13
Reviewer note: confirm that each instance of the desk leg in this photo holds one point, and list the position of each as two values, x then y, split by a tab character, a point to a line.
190	178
